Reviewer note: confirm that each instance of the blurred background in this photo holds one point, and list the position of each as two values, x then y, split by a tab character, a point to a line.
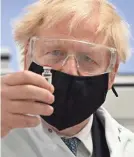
121	108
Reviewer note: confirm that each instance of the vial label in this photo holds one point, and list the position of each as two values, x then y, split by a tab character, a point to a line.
47	74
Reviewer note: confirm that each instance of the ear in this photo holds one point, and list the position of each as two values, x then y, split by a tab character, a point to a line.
113	74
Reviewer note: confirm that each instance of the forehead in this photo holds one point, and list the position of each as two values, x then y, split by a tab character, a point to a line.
83	31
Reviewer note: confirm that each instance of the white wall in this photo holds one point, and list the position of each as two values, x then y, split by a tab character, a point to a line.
122	107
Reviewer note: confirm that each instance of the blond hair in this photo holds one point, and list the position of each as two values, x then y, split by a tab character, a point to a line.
50	12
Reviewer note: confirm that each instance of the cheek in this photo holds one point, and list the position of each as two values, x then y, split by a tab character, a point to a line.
106	61
27	62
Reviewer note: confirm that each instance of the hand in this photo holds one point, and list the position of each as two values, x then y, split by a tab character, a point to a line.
24	93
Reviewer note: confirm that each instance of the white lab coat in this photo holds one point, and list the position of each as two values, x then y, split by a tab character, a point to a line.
41	142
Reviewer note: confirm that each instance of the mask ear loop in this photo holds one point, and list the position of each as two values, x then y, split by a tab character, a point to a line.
114	91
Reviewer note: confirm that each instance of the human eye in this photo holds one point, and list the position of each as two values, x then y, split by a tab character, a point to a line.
87	58
57	53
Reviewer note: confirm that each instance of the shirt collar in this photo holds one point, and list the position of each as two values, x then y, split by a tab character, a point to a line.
85	135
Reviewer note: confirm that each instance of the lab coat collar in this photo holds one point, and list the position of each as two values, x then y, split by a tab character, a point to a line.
112	132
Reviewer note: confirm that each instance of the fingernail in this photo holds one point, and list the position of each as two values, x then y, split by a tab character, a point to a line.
52	89
50	99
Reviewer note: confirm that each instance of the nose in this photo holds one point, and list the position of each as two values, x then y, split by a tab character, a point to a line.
70	66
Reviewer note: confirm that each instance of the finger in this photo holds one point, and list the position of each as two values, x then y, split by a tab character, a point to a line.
23	121
30	107
27	77
4	131
30	92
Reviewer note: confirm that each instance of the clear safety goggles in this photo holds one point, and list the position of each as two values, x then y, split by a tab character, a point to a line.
90	59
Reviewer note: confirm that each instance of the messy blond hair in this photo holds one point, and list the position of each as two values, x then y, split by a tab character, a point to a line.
50	12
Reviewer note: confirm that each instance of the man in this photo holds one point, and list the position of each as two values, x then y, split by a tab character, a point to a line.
72	50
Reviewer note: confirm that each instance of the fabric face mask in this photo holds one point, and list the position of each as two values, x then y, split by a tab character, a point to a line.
76	97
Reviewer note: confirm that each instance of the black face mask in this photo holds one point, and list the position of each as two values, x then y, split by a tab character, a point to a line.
76	97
